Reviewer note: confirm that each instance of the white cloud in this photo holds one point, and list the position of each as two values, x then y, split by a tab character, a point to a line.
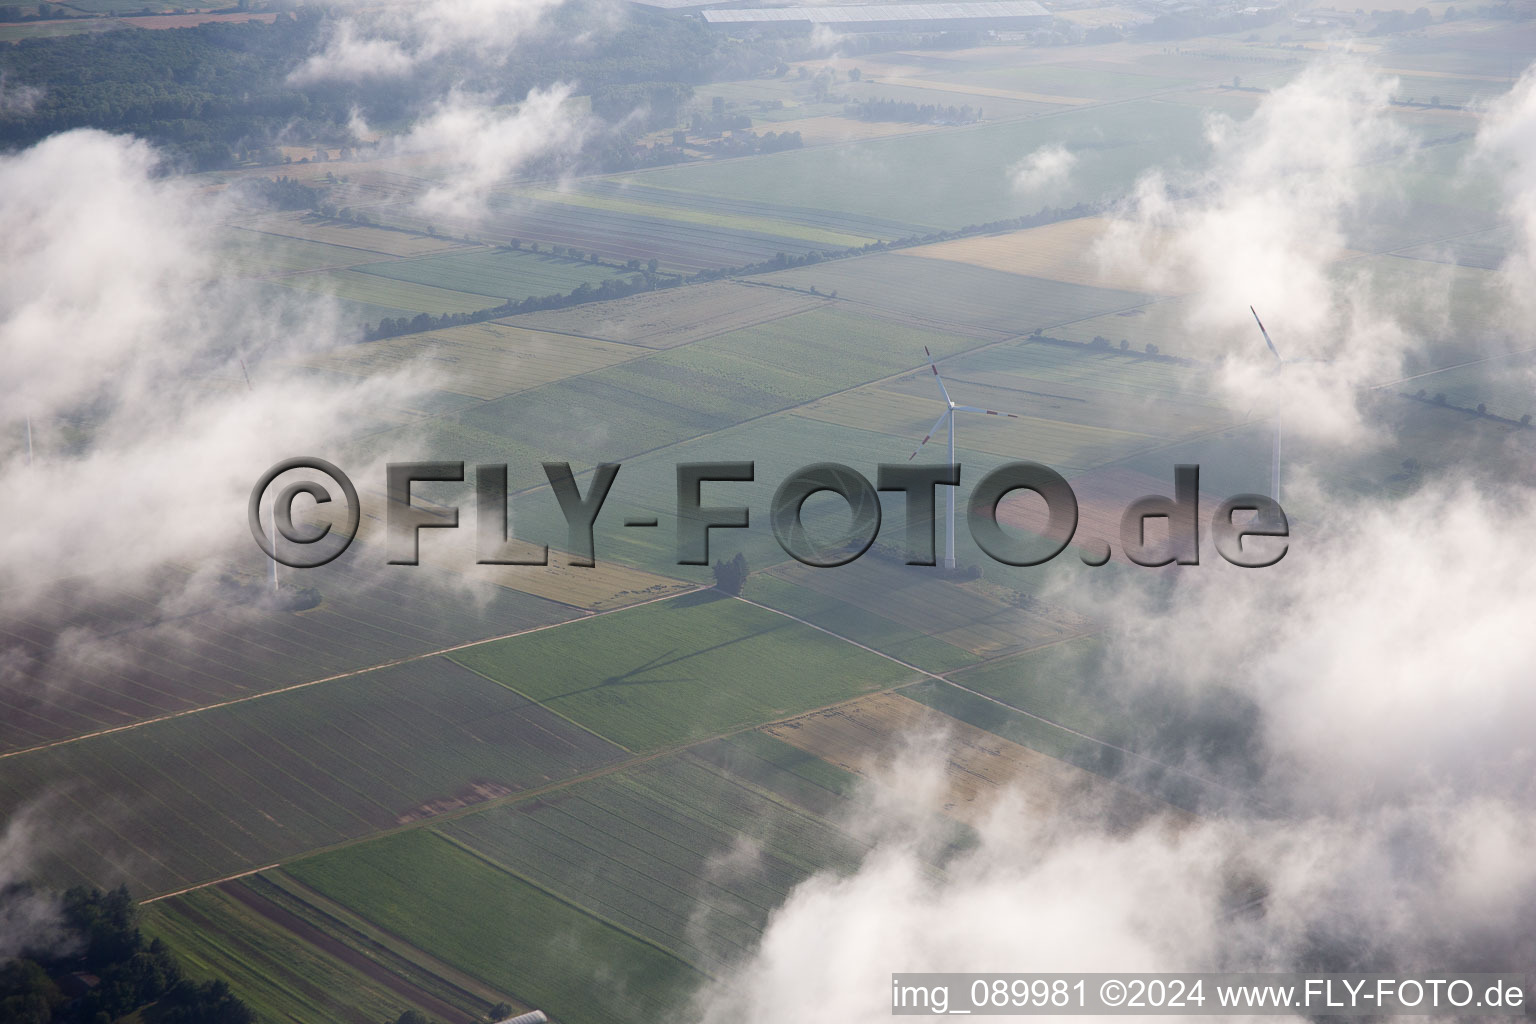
480	145
393	40
1047	168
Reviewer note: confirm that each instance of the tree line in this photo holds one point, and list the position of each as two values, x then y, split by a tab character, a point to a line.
101	969
896	110
649	280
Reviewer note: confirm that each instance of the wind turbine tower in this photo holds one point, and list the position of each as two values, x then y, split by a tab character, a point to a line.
947	420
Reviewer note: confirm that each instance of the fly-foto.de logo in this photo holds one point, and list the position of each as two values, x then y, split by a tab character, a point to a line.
1259	540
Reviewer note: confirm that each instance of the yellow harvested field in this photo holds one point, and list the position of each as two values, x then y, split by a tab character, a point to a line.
382	240
674	316
867	735
819	131
982	90
1064	251
1080	251
485	360
604	585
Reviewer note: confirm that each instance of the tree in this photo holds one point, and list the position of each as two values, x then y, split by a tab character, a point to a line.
652	265
729	576
1237	82
855	74
501	1011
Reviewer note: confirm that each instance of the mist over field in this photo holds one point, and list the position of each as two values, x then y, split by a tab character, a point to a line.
591	231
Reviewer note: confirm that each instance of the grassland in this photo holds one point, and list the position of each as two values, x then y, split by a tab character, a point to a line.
681	671
501	929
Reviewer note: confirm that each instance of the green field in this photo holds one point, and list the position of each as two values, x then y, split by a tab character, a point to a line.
677	851
281	977
502	930
681	670
373	290
875	628
954	296
621	411
507	275
953	178
254	254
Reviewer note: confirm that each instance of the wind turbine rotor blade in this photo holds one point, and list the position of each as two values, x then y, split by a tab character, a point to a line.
931	431
1266	334
938	377
989	412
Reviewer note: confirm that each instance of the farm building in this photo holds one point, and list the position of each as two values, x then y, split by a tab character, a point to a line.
996	14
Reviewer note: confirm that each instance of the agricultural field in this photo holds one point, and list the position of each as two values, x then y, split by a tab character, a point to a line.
865	736
681	670
1065	251
1485	250
242	785
952	296
973	618
672	396
283	978
1081	83
875	628
1502	384
849	224
248	253
353	236
506	275
894	178
485	361
619	235
229	649
481	917
668	318
379	292
676	851
736	218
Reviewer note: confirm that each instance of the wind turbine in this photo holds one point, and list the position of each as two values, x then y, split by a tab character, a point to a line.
1280	364
948	420
1274	458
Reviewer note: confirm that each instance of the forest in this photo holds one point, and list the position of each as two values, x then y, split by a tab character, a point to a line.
213	93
